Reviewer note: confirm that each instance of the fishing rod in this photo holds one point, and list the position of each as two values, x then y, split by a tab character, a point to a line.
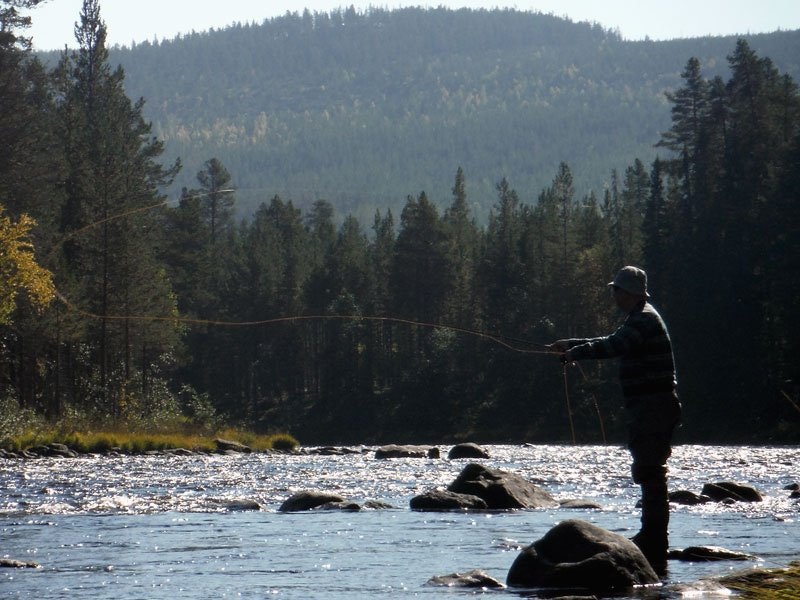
71	234
511	343
505	341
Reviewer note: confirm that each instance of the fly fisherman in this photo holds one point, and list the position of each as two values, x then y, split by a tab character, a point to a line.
647	375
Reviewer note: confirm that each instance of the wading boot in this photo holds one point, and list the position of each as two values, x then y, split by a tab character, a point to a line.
653	539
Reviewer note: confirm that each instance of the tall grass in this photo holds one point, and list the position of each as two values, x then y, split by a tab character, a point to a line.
184	421
130	442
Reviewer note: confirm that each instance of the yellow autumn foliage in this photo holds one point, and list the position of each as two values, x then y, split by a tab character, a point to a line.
18	267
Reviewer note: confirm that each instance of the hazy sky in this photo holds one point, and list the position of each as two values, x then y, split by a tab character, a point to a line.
140	20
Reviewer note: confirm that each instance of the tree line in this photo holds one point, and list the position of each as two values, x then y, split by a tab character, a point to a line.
419	326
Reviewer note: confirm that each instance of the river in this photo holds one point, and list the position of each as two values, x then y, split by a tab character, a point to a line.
172	527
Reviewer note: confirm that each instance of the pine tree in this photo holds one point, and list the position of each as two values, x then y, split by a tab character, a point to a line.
421	280
421	272
381	252
633	199
216	197
464	251
112	191
502	272
690	106
656	232
731	225
188	255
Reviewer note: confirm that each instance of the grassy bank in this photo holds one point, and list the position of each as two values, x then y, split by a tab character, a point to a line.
766	584
130	442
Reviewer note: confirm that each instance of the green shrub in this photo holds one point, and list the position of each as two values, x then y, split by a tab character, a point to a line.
15	421
283	441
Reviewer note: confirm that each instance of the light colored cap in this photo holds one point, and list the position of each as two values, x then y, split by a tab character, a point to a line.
633	280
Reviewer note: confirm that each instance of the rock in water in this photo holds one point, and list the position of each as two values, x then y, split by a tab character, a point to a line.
728	490
307	501
472	579
577	555
500	490
444	500
11	563
395	451
231	446
707	554
467	450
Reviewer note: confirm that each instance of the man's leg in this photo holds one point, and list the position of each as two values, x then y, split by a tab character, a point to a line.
653	537
651	424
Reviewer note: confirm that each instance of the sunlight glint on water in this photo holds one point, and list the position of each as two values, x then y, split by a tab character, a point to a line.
171	527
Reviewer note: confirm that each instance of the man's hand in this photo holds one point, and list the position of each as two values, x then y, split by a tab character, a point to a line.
561	347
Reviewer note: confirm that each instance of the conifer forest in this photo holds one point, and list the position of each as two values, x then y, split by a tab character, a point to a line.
124	303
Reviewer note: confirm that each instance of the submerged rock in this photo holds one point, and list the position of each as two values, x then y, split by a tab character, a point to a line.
707	554
332	451
344	505
576	555
446	500
578	503
376	505
307	500
240	505
394	451
500	490
471	579
10	563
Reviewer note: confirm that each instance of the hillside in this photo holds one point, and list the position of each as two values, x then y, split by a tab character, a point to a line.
363	109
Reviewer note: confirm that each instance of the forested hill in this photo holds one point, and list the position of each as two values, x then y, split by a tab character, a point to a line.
363	109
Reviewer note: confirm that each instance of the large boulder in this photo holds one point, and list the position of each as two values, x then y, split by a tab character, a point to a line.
500	490
446	500
577	555
727	490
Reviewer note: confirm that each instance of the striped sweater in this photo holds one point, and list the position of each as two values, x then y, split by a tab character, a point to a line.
643	343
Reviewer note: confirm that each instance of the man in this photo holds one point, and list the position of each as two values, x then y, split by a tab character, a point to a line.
647	375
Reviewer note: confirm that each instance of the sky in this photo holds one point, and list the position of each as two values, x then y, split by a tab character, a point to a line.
129	21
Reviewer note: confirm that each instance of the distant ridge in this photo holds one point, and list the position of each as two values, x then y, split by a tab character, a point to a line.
363	109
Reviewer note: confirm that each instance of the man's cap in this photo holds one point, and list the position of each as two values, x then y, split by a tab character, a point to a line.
633	280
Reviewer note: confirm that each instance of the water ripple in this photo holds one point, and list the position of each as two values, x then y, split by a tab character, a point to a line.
179	527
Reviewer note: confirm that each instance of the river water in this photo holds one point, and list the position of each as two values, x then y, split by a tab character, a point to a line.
177	527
